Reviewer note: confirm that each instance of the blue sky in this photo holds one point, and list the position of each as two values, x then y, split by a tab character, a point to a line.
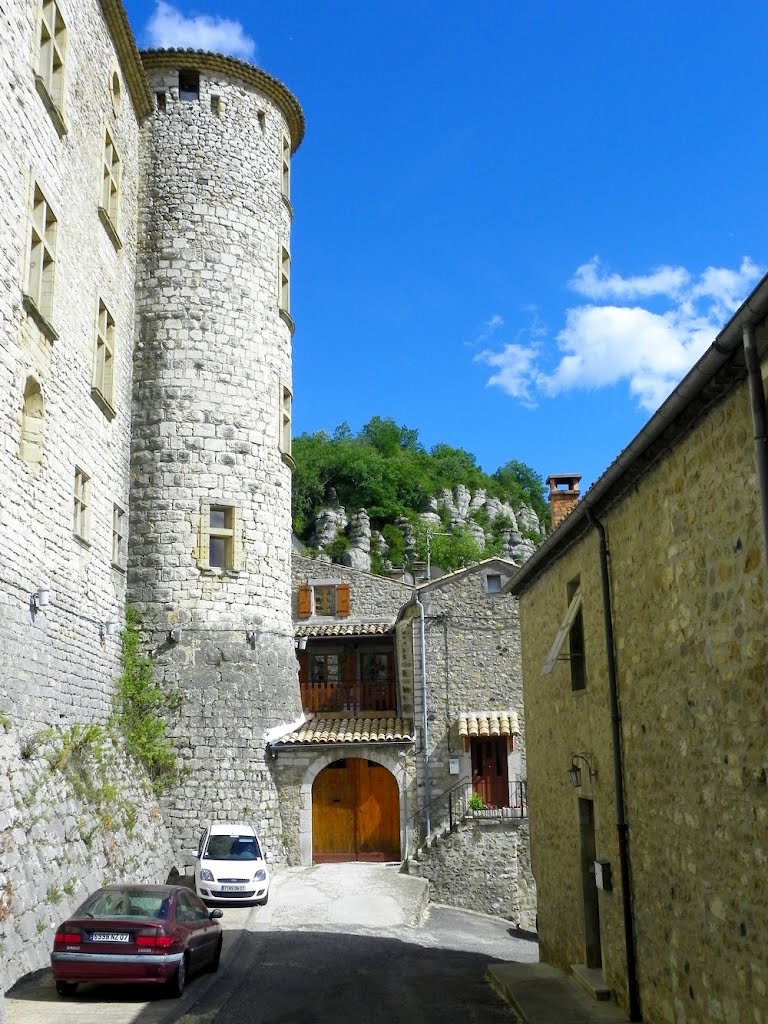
517	224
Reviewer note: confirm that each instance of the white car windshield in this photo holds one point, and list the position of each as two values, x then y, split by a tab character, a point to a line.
232	848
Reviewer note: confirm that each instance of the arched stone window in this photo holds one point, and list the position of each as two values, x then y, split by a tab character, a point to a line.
31	448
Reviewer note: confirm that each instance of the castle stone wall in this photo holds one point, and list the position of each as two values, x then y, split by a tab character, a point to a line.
55	664
212	358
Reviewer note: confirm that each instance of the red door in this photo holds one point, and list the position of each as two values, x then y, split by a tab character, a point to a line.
490	779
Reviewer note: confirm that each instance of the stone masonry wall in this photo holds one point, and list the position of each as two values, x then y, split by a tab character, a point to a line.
688	588
483	866
55	663
473	664
68	824
373	598
212	359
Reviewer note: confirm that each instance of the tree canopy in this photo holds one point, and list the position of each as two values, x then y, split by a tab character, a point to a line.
387	471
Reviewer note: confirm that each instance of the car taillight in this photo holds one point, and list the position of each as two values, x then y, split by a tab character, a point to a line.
67	937
154	940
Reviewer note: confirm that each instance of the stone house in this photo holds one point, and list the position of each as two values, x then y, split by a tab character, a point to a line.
411	702
643	621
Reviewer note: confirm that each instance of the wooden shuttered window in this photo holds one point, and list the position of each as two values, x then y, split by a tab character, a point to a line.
342	599
305	602
562	633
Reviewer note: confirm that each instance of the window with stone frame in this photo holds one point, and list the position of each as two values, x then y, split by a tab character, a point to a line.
102	381
81	521
285	168
284	282
51	55
576	642
286	404
38	291
32	413
220	546
119	523
109	200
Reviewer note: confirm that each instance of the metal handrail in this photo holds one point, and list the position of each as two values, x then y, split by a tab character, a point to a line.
459	799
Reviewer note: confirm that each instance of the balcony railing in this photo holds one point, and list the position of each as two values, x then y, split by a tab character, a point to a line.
353	697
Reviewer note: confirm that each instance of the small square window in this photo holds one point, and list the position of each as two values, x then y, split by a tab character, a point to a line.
493	583
82	503
189	85
221	535
325	600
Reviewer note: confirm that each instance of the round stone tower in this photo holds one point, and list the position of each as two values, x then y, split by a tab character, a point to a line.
210	516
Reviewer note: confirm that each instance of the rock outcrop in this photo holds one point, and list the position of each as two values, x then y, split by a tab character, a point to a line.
485	518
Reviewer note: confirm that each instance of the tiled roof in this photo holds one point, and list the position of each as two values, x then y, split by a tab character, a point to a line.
489	723
345	629
330	728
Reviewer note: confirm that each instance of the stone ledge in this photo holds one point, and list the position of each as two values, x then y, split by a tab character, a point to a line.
591	979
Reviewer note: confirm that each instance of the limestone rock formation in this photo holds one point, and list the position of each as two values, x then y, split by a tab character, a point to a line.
456	509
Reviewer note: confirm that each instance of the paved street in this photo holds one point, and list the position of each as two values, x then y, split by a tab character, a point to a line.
343	944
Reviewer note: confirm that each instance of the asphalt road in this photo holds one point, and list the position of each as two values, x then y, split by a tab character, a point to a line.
336	945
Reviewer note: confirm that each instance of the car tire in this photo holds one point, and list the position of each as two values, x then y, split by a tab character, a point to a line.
179	980
66	988
214	964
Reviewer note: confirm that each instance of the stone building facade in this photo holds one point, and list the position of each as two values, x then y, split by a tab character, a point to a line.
146	412
644	663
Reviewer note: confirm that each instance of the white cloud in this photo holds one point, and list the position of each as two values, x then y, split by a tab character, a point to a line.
486	330
168	27
592	283
603	344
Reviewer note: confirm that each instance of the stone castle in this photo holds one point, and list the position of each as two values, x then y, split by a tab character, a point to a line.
146	362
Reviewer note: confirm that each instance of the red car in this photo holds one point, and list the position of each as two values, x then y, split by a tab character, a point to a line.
137	933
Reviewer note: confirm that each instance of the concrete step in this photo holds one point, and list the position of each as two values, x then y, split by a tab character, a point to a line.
591	979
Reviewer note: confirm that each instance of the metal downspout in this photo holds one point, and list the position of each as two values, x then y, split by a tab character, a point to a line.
618	777
425	721
760	424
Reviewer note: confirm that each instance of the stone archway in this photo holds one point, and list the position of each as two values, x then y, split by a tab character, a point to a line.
355	812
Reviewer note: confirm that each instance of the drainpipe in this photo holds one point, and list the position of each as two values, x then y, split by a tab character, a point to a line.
618	777
760	424
425	720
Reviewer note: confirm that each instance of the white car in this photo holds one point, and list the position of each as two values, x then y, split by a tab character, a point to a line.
230	865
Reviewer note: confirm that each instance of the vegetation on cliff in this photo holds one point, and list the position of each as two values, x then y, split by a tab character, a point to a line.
388	472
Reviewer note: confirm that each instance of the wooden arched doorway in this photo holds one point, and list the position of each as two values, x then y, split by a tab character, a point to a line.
355	812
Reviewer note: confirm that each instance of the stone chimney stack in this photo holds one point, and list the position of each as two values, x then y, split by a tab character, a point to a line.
563	495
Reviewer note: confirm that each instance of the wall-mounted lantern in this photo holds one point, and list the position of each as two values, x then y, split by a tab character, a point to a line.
574	772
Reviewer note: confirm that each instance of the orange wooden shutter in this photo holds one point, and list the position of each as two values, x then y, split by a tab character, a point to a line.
342	599
305	602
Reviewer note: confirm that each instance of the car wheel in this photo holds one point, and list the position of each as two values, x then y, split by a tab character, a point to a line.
214	964
179	979
66	988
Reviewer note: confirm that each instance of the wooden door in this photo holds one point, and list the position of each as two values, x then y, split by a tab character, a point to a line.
355	813
490	779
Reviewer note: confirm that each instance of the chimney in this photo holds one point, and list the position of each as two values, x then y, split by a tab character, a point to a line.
563	496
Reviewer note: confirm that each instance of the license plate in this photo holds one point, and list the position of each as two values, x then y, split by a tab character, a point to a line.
110	937
232	888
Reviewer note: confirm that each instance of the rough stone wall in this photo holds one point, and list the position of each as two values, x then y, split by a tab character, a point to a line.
66	828
689	619
484	866
373	598
212	359
55	664
473	664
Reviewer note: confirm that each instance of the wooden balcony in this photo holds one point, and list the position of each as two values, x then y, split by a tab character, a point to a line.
355	696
